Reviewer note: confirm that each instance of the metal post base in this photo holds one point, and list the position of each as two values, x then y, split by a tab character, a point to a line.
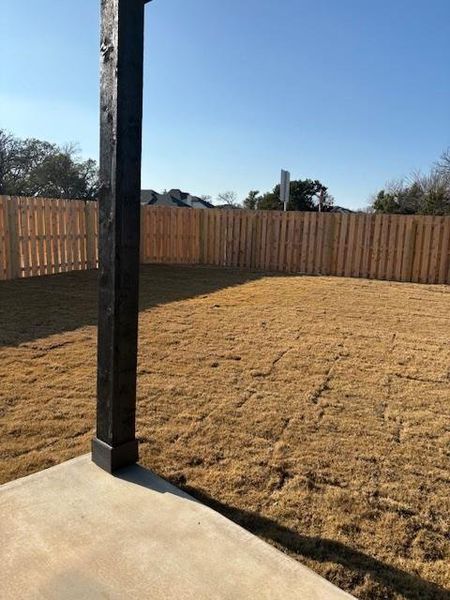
110	459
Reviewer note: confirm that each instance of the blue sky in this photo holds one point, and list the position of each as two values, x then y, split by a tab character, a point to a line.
352	92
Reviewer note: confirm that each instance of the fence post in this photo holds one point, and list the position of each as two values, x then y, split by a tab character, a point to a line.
329	244
143	236
90	213
410	246
12	246
203	214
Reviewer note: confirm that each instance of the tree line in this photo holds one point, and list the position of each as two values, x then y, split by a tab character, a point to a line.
305	195
32	167
425	194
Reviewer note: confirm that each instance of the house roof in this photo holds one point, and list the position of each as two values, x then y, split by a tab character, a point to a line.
193	201
152	198
199	201
228	207
340	209
173	198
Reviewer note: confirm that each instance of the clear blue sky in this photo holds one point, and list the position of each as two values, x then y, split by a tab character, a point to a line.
353	92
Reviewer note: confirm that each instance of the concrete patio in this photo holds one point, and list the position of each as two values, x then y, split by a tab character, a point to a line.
73	531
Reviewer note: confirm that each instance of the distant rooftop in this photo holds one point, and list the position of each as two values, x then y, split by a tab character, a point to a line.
174	198
340	209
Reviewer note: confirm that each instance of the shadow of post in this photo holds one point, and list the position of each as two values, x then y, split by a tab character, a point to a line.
319	549
38	307
324	550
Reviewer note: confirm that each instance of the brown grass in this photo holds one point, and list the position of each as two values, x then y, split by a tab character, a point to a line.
314	411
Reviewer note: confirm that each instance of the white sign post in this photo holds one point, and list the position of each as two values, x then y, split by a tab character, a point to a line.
285	188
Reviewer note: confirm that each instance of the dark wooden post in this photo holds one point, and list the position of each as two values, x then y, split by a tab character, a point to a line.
122	55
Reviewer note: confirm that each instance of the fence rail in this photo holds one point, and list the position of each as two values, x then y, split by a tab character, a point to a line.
41	236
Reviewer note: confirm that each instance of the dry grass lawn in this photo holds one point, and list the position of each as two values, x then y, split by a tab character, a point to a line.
314	411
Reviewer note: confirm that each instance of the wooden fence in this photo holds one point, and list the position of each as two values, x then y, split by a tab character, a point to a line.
39	237
392	247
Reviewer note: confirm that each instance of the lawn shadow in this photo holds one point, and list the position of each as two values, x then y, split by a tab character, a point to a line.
319	549
38	307
325	550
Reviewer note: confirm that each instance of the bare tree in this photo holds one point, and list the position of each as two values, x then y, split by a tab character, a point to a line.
443	166
420	193
229	198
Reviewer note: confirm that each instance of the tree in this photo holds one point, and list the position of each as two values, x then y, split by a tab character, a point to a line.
304	196
385	202
269	201
443	164
33	167
252	199
9	148
305	193
228	198
420	194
